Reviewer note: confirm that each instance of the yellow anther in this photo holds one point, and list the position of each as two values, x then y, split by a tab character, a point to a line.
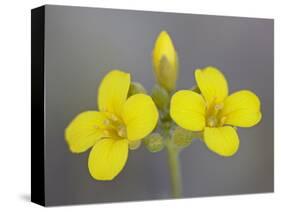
106	122
122	132
218	106
113	117
222	120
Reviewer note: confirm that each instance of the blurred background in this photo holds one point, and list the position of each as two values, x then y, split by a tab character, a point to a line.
83	44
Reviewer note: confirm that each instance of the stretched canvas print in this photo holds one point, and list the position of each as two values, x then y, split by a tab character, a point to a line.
138	105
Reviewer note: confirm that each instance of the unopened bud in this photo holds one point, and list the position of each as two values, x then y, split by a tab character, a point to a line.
182	138
165	61
133	145
154	142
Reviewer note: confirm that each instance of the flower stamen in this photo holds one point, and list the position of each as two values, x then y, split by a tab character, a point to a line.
114	127
222	120
212	121
212	118
122	131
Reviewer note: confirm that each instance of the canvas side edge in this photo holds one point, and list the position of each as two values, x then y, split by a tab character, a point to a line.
37	106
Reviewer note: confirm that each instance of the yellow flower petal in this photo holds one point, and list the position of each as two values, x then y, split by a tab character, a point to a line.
188	110
113	91
84	131
242	109
222	140
212	84
165	61
140	116
107	158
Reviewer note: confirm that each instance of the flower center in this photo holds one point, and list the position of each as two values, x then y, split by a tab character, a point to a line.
213	118
114	127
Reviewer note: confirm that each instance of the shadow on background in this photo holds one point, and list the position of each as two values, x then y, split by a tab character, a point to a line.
25	197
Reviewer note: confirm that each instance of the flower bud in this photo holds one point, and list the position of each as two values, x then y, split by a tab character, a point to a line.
135	88
133	145
165	61
182	138
160	96
154	142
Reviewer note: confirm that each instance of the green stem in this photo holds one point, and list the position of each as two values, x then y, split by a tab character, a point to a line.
175	171
173	158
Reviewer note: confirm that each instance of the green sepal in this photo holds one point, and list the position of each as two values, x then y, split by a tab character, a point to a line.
136	88
160	96
196	89
168	73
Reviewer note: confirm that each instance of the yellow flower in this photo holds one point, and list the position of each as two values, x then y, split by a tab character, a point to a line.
165	61
214	112
119	125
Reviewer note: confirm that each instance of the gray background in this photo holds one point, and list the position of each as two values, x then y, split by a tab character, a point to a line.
83	44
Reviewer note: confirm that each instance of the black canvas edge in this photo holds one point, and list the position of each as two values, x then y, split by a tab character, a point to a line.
37	106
